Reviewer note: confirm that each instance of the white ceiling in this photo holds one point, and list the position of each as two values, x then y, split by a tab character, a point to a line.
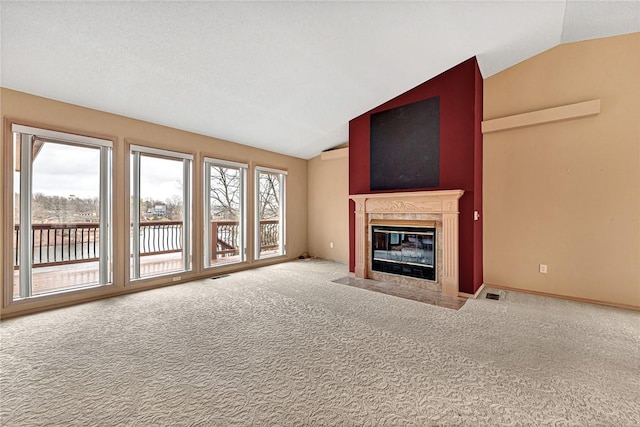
283	76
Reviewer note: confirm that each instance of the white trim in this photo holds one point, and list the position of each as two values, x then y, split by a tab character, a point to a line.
271	170
225	163
256	214
283	201
105	225
206	203
26	194
243	214
68	137
186	214
160	152
135	221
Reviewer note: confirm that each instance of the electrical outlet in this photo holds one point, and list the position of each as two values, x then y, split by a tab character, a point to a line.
175	279
331	244
543	268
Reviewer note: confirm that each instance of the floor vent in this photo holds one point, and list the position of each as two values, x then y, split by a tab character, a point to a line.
219	277
493	296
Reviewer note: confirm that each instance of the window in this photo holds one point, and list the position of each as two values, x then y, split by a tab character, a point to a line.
160	238
62	212
224	212
270	212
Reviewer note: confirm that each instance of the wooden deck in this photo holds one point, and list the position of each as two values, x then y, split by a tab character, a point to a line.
65	255
72	276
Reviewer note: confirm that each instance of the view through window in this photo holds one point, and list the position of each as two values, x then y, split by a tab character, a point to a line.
62	212
270	209
224	213
62	199
160	212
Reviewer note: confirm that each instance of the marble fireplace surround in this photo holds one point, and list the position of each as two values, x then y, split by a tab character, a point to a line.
418	206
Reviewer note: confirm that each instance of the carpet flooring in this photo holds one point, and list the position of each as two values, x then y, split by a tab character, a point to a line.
283	345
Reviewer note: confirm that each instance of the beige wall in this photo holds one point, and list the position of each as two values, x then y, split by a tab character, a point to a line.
329	208
566	194
65	117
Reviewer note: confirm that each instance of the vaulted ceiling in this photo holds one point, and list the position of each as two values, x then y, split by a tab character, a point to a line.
283	76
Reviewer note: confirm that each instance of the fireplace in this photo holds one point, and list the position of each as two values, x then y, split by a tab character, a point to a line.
407	251
407	214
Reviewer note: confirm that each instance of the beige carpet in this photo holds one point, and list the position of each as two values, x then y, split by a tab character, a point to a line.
283	345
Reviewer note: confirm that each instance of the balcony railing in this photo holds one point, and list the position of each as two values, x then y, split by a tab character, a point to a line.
70	243
226	235
160	237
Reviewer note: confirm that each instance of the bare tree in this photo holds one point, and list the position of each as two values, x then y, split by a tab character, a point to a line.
269	195
174	208
225	193
57	209
39	212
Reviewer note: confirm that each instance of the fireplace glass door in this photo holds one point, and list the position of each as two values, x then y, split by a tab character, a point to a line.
406	251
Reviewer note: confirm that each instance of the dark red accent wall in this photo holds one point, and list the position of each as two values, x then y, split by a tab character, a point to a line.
460	92
477	184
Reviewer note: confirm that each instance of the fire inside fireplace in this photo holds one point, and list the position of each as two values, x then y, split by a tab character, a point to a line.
408	251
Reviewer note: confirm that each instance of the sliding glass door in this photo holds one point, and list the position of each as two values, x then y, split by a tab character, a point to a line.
160	212
62	212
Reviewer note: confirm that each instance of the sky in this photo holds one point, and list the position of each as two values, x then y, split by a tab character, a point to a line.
64	170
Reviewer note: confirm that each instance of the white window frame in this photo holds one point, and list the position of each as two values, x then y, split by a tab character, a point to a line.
282	211
187	160
243	167
28	135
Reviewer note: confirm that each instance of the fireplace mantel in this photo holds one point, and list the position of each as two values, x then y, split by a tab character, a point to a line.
410	204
